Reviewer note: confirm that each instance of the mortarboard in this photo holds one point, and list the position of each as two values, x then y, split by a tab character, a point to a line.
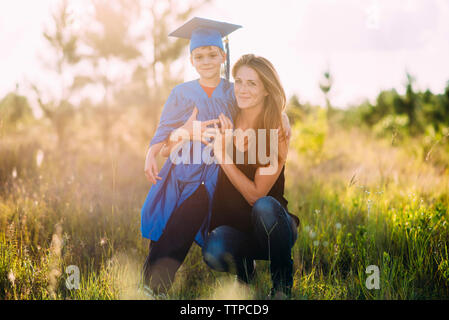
204	32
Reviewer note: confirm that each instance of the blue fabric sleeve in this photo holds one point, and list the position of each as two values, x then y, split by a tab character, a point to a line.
172	117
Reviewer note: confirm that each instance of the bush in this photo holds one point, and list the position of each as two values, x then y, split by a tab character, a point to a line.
309	135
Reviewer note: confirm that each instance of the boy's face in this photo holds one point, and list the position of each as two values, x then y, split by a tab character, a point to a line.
207	61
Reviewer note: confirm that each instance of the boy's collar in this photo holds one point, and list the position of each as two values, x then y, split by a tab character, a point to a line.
222	81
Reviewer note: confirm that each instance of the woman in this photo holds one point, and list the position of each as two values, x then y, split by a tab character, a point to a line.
249	219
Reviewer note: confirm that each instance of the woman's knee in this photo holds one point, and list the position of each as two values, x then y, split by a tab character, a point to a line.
216	253
266	212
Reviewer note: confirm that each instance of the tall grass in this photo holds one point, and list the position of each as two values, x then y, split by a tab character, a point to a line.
361	202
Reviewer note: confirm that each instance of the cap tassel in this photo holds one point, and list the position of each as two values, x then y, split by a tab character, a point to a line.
228	63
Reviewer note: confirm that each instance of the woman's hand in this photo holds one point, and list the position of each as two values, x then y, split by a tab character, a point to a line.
219	143
225	122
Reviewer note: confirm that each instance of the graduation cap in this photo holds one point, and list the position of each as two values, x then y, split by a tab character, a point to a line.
204	32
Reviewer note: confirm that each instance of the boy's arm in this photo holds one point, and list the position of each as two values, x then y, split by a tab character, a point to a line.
174	114
151	169
168	146
178	136
170	119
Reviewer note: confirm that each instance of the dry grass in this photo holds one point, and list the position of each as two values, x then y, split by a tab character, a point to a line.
361	201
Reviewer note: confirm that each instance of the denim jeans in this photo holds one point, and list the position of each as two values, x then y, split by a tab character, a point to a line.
272	238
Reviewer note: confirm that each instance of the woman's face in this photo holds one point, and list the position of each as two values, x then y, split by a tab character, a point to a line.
207	61
248	88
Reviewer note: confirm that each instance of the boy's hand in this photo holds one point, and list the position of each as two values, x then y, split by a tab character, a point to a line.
188	126
151	169
165	151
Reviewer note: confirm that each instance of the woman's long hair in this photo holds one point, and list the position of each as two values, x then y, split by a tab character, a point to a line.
275	101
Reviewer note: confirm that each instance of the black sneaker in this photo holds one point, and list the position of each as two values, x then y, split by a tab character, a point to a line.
251	275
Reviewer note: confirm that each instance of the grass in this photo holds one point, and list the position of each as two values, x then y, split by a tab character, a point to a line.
361	202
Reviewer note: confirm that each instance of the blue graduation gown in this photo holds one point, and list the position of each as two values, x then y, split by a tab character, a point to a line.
180	181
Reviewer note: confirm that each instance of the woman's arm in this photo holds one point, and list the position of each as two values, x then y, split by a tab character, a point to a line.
262	184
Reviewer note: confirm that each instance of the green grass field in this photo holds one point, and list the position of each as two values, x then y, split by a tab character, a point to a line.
361	202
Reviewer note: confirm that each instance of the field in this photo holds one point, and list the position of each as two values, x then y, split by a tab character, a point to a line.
362	201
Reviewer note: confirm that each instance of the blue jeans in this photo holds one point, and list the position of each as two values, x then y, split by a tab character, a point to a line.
272	238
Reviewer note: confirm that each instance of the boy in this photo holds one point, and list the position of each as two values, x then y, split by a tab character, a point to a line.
175	212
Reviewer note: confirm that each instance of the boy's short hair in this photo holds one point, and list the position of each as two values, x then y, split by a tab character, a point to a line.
219	49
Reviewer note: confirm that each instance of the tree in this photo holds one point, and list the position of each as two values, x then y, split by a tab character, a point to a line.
411	106
295	110
385	102
326	86
63	41
109	42
158	70
112	44
443	106
14	109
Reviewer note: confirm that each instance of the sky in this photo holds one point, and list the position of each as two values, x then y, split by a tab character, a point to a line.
368	45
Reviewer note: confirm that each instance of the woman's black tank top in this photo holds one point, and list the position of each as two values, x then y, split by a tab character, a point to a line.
230	208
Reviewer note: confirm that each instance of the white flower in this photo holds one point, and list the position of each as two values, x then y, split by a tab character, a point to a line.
39	157
312	234
325	244
11	277
338	225
316	243
370	203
